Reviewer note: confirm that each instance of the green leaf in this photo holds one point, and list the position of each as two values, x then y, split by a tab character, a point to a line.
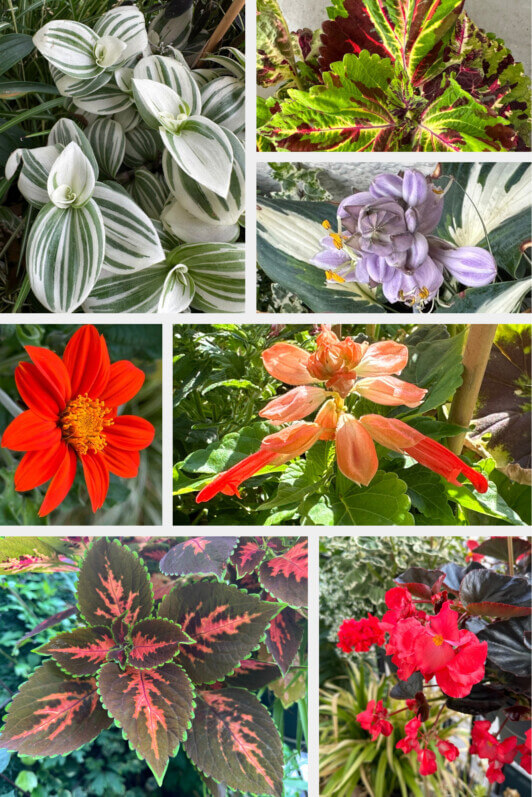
500	297
226	622
248	756
153	708
13	48
108	143
427	494
288	236
218	272
384	502
489	503
11	89
455	122
39	554
113	583
225	453
65	255
277	54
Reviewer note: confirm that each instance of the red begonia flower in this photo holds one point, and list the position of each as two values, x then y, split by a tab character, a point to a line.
472	556
373	719
427	762
400	606
526	752
448	750
72	417
360	635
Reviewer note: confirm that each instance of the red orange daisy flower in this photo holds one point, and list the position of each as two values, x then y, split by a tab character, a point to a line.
72	417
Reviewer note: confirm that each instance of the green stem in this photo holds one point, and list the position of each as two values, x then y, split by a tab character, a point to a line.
8	403
21	117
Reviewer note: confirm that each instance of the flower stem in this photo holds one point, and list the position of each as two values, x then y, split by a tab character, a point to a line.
8	403
510	556
475	359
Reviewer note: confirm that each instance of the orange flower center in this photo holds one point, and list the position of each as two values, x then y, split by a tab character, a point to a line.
438	640
83	422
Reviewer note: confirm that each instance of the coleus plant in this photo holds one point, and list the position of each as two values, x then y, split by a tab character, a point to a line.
169	672
115	232
390	75
465	630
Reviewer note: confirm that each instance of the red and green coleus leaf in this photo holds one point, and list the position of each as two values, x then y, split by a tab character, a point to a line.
489	594
253	674
227	624
200	556
455	122
277	49
36	555
53	714
154	642
234	740
82	651
55	619
247	556
153	708
286	576
283	638
113	583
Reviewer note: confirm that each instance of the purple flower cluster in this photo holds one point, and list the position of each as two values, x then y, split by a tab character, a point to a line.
386	240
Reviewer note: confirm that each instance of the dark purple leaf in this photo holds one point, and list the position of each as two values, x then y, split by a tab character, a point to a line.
420	582
509	645
199	555
489	594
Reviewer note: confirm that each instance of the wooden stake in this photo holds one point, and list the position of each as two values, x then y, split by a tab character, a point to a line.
475	359
221	29
510	556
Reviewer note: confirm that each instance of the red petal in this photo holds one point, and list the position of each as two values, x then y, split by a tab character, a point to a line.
96	477
229	481
121	463
35	393
29	432
130	433
125	381
37	467
61	483
53	372
87	361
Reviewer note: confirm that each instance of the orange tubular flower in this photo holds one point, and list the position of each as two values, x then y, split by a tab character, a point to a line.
72	416
346	367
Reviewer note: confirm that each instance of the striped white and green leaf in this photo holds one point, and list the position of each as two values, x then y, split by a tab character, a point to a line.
125	23
202	203
177	292
69	46
33	177
150	192
203	151
142	146
74	87
134	292
174	31
64	132
131	241
175	75
106	101
71	180
65	255
168	241
235	66
129	119
218	272
186	227
108	142
157	104
203	76
223	101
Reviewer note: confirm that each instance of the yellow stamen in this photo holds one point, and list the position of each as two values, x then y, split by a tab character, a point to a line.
337	240
83	422
326	224
335	277
424	293
438	640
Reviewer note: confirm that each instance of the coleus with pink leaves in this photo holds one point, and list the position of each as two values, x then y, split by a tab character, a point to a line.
170	670
389	75
466	631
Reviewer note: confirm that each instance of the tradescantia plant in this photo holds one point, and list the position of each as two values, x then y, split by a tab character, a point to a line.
139	211
389	75
170	670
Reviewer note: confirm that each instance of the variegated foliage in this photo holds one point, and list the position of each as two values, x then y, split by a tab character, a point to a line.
116	231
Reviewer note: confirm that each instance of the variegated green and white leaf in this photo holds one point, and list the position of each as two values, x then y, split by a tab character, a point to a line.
205	205
178	290
105	101
223	102
235	66
202	149
129	119
123	78
71	179
131	241
134	292
65	131
181	223
33	178
142	146
174	31
218	272
65	255
173	74
168	241
127	24
203	76
158	104
74	87
69	46
149	192
108	142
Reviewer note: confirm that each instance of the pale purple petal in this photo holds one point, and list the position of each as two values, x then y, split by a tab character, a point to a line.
428	278
470	265
330	259
411	220
414	188
418	251
430	212
390	185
